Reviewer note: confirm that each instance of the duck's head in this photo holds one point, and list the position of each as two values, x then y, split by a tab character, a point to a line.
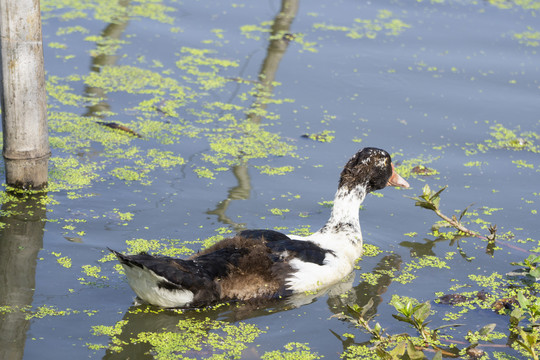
372	169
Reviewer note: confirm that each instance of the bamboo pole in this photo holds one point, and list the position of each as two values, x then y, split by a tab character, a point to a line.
22	93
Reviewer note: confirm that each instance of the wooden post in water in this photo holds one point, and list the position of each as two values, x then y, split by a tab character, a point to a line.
22	94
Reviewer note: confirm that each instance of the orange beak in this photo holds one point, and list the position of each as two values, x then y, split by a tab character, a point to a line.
397	180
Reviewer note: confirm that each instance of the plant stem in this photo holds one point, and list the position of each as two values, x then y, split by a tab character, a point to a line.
458	225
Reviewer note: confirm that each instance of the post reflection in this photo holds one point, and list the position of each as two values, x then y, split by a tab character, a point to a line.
277	46
21	239
103	57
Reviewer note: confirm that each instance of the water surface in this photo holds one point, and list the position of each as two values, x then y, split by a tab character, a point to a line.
435	83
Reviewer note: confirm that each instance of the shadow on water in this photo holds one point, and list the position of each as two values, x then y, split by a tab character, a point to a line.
21	239
278	43
148	319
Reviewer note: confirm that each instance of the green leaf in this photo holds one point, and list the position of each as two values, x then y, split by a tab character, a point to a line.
383	354
397	304
438	355
422	311
528	338
408	310
464	212
355	308
367	307
425	205
523	301
487	329
436	202
403	318
413	353
523	345
436	195
535	273
516	316
377	329
399	350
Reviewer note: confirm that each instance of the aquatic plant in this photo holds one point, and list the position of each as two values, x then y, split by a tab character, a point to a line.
430	200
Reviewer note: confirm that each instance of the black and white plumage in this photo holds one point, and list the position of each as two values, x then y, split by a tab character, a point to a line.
266	264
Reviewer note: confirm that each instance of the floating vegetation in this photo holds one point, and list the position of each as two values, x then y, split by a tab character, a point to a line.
188	337
124	117
272	170
384	23
430	200
415	167
245	141
528	38
324	136
62	260
504	138
294	351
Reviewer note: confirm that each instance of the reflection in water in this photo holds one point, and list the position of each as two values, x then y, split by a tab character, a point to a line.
279	41
106	56
365	291
148	319
21	239
278	44
239	192
418	250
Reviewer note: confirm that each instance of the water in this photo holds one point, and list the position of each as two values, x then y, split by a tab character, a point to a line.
430	87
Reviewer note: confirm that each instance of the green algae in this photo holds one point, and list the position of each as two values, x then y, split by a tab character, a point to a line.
273	170
44	311
294	351
107	11
407	275
384	23
93	271
189	337
524	4
324	136
371	278
528	38
70	174
112	332
416	167
278	212
243	142
62	260
238	141
508	139
204	172
371	250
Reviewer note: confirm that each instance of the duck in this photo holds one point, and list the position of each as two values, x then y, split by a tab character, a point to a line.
263	264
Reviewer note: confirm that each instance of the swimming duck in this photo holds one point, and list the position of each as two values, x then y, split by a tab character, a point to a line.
267	264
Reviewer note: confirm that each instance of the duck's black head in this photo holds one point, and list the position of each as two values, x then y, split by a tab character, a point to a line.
372	169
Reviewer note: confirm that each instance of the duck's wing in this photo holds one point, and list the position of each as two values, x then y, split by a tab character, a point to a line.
259	234
152	276
283	247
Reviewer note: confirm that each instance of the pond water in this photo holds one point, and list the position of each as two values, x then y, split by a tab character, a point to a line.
222	94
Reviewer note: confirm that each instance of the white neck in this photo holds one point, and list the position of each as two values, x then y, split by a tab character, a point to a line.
344	218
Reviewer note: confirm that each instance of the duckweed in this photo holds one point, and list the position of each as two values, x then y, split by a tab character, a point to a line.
222	339
294	351
369	28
